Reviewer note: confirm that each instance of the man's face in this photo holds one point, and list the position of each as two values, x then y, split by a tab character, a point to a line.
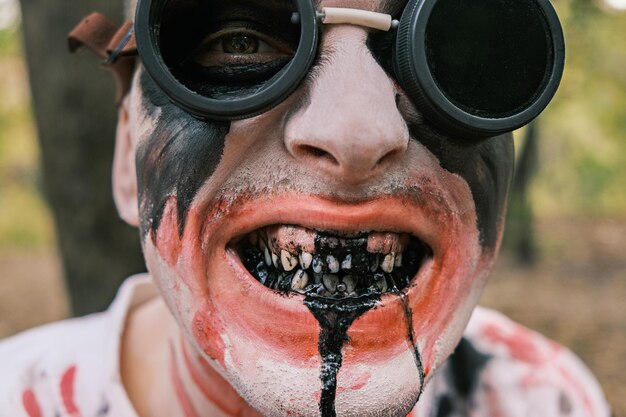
379	231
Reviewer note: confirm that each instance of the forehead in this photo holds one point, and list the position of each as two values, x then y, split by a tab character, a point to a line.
383	6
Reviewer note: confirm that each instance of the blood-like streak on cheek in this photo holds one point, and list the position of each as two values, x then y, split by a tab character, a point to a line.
207	329
167	239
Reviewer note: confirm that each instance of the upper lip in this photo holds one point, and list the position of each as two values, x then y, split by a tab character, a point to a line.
385	214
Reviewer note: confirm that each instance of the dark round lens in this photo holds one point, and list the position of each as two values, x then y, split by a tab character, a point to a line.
491	58
227	49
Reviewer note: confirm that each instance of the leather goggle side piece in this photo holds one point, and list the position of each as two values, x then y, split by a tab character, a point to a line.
115	45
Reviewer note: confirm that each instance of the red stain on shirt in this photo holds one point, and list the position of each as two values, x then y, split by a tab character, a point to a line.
30	403
519	343
68	393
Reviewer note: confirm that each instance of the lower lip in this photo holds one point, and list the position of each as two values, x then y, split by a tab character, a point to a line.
377	332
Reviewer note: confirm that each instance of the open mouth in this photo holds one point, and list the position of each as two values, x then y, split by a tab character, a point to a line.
334	265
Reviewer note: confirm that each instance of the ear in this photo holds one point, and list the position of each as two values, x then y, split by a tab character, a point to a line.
124	172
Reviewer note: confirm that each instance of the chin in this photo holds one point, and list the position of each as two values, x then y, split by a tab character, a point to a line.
306	304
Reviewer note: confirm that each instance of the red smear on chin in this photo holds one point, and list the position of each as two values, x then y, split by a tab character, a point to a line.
185	403
31	404
215	388
167	238
207	330
68	393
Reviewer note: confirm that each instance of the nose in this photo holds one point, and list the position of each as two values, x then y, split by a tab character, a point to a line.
349	128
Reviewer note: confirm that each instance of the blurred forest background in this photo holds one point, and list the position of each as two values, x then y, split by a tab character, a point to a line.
563	270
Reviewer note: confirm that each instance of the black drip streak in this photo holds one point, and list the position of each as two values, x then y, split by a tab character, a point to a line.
408	313
335	318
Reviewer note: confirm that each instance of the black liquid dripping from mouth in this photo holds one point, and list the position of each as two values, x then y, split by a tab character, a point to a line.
408	314
335	318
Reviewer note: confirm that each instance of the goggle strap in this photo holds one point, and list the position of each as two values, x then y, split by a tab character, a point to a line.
115	45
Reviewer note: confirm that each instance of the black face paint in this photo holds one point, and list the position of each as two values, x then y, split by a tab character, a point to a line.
334	317
487	167
176	160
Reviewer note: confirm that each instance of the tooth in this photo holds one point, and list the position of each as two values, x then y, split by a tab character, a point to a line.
317	277
333	264
383	242
350	283
380	282
318	264
330	282
387	264
274	260
374	265
288	261
253	238
332	242
268	257
300	280
305	260
347	263
398	260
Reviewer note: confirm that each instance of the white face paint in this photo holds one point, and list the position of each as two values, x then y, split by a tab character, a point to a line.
333	157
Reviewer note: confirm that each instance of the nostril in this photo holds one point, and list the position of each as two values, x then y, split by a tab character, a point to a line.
317	153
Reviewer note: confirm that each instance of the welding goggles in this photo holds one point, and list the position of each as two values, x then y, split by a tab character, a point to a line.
473	67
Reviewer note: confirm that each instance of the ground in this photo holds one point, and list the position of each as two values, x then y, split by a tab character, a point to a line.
575	294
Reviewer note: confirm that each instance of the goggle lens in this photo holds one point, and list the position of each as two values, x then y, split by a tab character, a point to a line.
491	58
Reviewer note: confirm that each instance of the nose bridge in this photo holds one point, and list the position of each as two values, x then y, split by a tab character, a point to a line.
351	126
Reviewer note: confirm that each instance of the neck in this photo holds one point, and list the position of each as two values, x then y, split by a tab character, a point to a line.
164	375
200	390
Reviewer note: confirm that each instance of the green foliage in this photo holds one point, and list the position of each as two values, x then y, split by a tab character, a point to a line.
24	219
583	133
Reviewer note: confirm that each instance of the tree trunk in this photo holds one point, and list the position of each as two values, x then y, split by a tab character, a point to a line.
519	238
73	100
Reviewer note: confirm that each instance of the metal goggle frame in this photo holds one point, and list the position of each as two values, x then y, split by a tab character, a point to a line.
474	68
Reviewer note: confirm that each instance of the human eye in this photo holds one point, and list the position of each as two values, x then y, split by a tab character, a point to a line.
239	44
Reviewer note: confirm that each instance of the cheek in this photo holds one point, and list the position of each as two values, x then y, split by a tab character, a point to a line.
441	304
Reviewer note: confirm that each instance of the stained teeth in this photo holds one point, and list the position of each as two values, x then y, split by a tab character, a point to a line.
288	261
374	265
330	282
318	264
300	280
347	263
388	262
398	260
380	282
253	238
333	264
350	283
268	256
305	259
310	262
